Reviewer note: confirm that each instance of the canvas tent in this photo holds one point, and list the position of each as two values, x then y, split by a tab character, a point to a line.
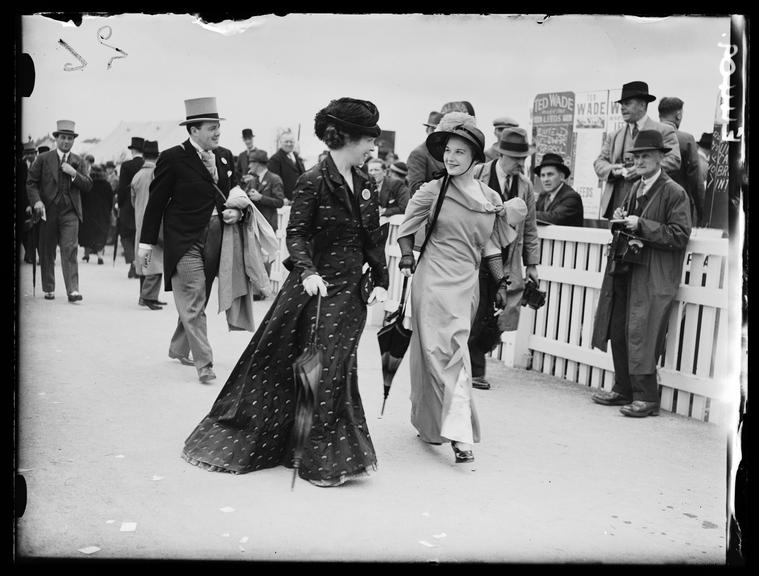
113	147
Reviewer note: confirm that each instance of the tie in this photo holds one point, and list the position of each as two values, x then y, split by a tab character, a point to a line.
209	160
634	131
513	184
291	156
508	185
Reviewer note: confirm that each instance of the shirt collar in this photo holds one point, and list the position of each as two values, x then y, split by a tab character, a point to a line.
641	122
61	154
262	174
197	147
499	172
553	194
646	183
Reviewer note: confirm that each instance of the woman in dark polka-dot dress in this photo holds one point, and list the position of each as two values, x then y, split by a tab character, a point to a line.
333	229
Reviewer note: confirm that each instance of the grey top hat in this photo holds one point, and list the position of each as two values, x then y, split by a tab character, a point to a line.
65	127
201	110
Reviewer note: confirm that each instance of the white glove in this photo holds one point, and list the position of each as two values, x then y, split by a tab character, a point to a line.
143	255
313	284
379	294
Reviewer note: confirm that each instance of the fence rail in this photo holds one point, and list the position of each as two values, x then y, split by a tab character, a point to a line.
556	338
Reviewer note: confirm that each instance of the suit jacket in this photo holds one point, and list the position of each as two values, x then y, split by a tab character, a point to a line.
688	176
421	167
611	153
183	195
44	174
393	196
283	167
524	251
241	164
124	193
273	197
565	210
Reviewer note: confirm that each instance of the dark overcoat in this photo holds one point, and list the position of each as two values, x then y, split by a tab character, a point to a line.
282	166
183	195
565	210
665	229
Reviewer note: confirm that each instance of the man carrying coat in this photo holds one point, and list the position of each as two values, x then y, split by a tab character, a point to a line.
614	164
188	193
637	294
55	185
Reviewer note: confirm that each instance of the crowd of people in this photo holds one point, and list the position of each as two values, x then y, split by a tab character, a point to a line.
469	237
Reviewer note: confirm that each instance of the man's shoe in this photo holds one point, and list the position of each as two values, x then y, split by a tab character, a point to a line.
610	398
100	261
159	302
640	409
49	296
150	304
206	374
75	297
480	383
183	359
131	273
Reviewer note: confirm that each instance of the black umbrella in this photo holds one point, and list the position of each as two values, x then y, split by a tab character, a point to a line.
307	370
393	340
115	247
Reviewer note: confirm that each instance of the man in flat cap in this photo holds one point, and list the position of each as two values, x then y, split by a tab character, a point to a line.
55	186
190	186
671	113
499	125
421	165
615	164
127	226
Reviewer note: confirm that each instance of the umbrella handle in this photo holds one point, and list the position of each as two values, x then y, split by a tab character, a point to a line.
314	331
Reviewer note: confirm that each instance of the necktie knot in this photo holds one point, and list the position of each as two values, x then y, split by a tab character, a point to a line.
209	161
634	131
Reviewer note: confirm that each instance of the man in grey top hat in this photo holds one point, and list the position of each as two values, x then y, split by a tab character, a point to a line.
615	164
54	186
187	197
421	165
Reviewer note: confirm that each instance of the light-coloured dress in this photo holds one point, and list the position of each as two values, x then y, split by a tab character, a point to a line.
444	299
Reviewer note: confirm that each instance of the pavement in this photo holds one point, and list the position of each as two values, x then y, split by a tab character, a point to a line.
102	415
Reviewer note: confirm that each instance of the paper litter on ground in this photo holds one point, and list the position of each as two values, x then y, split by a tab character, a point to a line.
89	549
227	509
128	526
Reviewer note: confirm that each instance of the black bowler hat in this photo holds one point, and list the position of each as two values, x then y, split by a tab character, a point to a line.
137	143
649	140
551	159
150	148
636	89
247	133
706	140
458	124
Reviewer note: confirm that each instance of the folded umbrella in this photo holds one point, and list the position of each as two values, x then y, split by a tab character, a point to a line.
307	370
393	342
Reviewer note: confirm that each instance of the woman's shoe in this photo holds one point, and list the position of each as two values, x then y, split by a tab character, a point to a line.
100	260
85	258
462	455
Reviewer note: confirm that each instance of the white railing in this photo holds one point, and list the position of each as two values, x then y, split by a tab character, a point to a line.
556	338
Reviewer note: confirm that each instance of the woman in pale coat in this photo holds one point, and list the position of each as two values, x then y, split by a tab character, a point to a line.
444	294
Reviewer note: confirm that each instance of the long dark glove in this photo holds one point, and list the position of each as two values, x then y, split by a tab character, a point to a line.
495	265
406	245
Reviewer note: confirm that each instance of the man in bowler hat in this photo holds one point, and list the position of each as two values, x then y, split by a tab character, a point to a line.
558	203
636	298
615	164
127	225
421	165
55	186
190	186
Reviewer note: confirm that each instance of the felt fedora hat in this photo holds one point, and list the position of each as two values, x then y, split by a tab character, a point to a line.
551	159
259	156
636	89
649	140
29	147
150	148
247	133
201	110
399	168
706	140
433	120
513	142
65	127
456	124
137	143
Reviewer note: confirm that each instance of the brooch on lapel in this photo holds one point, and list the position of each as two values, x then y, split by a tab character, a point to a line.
365	194
223	160
229	172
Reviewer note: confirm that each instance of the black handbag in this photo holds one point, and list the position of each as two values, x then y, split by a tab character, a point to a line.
366	285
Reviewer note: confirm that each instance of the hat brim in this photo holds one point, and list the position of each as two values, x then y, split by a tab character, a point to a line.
198	120
530	151
66	132
562	167
436	142
644	148
646	97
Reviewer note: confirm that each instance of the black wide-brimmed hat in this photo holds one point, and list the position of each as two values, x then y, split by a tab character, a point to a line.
137	143
456	124
513	142
706	140
649	140
351	115
247	133
551	159
636	89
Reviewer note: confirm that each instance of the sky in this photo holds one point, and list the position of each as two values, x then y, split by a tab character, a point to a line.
271	72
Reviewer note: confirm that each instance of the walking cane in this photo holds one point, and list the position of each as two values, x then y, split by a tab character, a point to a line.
33	249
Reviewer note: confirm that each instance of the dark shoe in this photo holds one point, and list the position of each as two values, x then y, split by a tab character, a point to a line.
183	359
131	273
610	398
462	455
85	258
150	304
206	374
49	296
480	383
159	302
100	261
75	297
640	409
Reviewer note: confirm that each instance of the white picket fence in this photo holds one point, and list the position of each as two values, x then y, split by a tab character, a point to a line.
556	338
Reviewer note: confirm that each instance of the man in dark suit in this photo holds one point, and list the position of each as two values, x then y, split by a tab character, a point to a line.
615	164
421	165
558	203
671	112
23	208
287	164
393	193
243	158
54	187
187	194
127	228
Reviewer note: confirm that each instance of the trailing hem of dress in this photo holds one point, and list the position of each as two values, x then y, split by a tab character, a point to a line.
207	466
